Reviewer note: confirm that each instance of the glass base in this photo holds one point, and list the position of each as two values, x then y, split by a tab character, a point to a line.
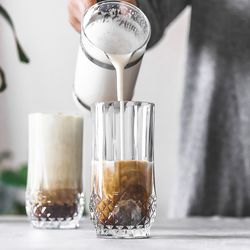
123	233
56	214
65	224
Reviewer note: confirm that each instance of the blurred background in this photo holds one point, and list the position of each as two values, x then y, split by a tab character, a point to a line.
45	85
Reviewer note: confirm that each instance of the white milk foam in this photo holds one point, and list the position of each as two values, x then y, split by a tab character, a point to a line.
113	38
118	43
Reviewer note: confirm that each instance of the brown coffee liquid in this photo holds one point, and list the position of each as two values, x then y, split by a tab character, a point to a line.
126	190
56	204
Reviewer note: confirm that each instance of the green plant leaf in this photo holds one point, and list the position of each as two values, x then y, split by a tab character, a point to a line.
22	175
19	208
14	178
3	85
22	56
9	177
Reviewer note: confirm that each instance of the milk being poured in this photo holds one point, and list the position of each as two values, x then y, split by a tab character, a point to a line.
119	45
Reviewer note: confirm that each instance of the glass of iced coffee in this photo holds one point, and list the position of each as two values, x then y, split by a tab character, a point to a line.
54	195
123	199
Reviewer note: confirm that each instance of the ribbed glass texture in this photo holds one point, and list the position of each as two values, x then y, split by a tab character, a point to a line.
123	200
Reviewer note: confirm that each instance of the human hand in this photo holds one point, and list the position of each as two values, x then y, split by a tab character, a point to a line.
77	8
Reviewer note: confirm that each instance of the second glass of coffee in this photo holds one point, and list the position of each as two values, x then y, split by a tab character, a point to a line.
54	195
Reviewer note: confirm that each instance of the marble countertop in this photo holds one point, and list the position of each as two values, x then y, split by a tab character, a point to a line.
191	233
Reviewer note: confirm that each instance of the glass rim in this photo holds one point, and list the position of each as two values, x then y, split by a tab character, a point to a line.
135	8
56	114
130	103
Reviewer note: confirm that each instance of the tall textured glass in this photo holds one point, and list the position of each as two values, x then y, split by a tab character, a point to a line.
54	196
123	199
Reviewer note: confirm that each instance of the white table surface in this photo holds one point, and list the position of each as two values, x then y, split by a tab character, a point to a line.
193	233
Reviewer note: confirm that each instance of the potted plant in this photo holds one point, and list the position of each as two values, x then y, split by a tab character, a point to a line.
12	182
21	54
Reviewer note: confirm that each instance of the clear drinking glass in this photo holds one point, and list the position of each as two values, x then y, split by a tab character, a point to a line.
54	196
123	199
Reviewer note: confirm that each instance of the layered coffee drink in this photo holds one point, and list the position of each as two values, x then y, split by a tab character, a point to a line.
122	193
123	198
54	196
56	205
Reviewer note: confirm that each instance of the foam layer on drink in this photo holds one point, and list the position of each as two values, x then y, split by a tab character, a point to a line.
55	157
114	37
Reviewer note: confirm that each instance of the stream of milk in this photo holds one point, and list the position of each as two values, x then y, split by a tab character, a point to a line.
119	45
120	62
